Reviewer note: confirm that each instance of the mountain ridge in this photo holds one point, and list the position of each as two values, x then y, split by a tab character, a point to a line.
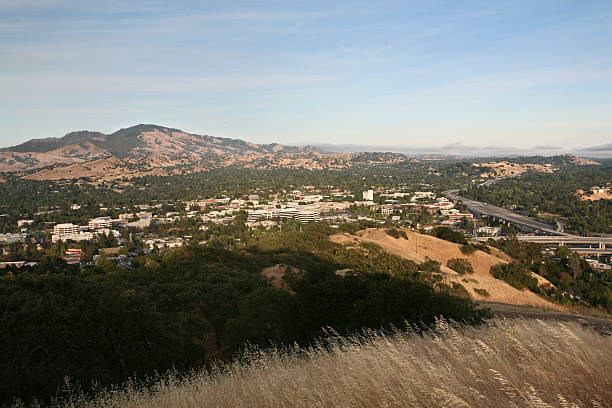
147	143
148	149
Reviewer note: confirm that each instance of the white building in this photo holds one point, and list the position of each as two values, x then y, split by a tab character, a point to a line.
75	207
64	229
418	195
489	230
306	216
22	223
257	214
368	195
77	236
142	223
100	222
164	243
386	210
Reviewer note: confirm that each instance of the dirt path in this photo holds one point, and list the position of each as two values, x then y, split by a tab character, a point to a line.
597	322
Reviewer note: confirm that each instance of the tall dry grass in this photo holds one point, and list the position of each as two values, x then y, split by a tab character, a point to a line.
506	363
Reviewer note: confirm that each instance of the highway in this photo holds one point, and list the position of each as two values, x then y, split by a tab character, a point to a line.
582	245
481	208
587	245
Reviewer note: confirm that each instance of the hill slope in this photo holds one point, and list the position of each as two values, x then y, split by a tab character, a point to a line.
418	246
506	363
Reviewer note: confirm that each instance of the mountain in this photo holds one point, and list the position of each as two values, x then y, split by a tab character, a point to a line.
153	149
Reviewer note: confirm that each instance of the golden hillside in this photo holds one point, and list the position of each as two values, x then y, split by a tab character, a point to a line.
418	246
505	363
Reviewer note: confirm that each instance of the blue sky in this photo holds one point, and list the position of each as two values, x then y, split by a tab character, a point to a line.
395	73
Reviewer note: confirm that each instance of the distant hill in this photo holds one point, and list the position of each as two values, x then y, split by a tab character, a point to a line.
145	147
153	149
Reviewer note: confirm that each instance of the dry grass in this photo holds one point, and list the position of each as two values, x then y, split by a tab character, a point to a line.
500	291
506	363
417	246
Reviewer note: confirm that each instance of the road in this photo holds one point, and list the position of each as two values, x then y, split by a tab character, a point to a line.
504	214
598	322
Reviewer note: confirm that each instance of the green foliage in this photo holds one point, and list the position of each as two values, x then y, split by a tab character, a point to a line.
448	234
181	308
430	265
526	252
454	289
460	265
346	303
58	325
467	249
563	252
396	233
573	279
482	292
516	274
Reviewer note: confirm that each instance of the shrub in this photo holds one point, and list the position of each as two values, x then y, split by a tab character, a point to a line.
454	288
395	233
430	265
516	274
482	292
467	249
448	234
482	246
460	265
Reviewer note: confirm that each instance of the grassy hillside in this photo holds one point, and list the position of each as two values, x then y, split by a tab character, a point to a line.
514	363
417	247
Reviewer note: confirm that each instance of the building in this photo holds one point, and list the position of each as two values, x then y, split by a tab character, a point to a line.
418	195
142	223
598	266
77	236
306	216
161	243
288	212
445	205
312	198
11	238
386	210
461	215
100	222
65	229
489	230
22	223
72	256
258	214
75	207
368	195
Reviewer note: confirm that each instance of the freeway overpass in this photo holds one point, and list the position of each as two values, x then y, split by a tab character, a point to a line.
599	246
522	221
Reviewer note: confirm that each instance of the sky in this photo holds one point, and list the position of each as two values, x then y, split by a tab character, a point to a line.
526	74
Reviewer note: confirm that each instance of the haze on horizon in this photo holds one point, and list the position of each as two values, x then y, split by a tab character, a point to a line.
522	74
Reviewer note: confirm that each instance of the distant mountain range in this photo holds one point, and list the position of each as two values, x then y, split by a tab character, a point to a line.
152	149
462	150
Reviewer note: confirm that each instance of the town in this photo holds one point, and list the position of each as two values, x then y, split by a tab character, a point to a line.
119	234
